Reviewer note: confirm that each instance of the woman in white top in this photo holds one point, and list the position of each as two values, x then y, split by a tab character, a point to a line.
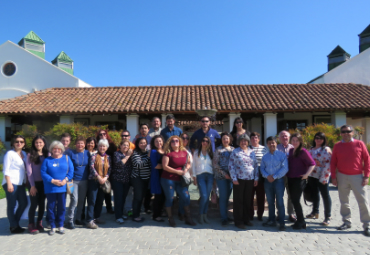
14	183
203	175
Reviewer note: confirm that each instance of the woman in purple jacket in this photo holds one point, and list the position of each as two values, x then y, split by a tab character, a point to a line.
301	165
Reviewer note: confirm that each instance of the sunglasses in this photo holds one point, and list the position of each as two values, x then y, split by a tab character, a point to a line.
238	122
205	141
319	138
125	135
185	138
175	141
205	121
102	134
346	131
21	142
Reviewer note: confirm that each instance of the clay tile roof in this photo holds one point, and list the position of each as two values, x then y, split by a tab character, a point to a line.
159	99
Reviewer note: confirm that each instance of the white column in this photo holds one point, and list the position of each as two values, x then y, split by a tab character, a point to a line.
132	124
366	125
270	124
338	119
164	115
66	119
256	125
232	117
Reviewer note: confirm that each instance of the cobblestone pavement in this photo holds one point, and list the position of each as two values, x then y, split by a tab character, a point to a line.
151	237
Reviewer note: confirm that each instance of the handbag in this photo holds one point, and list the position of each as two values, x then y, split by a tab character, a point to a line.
186	178
106	187
70	187
307	192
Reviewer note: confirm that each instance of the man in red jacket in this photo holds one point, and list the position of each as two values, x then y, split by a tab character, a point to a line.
351	159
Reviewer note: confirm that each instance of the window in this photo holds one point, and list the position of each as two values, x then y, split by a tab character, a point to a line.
9	69
292	124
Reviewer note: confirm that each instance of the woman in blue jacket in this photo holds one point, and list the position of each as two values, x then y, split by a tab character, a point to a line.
55	172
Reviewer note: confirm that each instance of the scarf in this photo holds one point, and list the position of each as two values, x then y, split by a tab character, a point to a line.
98	165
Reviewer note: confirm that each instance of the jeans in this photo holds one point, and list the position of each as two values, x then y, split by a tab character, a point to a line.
37	201
120	191
19	194
296	186
95	199
140	188
169	187
225	188
205	184
317	187
242	201
275	190
77	200
56	217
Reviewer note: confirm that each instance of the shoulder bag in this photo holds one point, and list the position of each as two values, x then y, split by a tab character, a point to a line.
186	178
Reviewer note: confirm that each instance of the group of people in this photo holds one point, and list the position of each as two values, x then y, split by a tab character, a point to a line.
161	163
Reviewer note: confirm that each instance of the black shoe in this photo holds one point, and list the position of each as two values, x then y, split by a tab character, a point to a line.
248	223
110	211
70	225
260	218
17	230
344	226
269	224
282	228
299	225
148	211
79	222
224	222
367	232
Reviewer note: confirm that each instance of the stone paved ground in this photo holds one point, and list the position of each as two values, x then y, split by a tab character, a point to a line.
158	238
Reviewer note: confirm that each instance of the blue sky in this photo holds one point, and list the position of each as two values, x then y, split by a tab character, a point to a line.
190	42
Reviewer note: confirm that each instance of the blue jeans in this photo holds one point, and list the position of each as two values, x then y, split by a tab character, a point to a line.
205	184
19	194
120	191
58	200
169	187
225	188
276	190
95	199
317	186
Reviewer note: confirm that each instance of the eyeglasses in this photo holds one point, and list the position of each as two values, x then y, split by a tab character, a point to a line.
346	131
205	121
239	122
205	141
185	138
319	138
102	134
125	135
21	142
175	141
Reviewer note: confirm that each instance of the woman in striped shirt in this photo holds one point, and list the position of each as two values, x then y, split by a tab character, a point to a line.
140	176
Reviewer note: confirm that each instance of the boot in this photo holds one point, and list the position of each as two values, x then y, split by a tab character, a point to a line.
201	221
170	218
39	226
205	218
188	219
32	229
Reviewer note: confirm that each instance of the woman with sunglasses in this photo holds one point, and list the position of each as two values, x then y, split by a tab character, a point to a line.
175	164
222	175
319	177
14	180
203	175
103	134
39	152
238	130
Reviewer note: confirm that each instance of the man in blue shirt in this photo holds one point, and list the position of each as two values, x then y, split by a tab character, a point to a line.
274	166
171	129
205	130
144	133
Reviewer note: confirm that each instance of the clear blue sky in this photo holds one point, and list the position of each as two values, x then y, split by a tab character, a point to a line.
190	42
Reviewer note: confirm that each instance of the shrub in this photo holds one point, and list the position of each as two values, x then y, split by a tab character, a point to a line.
2	148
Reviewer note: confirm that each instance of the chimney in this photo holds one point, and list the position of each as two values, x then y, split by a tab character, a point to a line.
34	44
337	57
364	39
63	62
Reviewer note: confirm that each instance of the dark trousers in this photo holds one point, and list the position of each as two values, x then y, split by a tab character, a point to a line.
58	201
147	199
19	194
140	188
158	204
316	187
242	201
296	186
37	201
95	199
108	200
120	191
260	195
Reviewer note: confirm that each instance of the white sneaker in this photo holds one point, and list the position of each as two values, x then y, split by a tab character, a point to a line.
120	221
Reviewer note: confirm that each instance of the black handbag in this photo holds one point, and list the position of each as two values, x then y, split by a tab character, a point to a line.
307	192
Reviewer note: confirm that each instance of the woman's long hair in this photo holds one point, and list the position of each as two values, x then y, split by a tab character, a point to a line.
167	147
322	136
299	137
34	155
233	132
137	142
89	139
152	142
209	147
108	137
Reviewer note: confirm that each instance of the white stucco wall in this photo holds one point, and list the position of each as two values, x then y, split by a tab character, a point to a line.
32	73
355	70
